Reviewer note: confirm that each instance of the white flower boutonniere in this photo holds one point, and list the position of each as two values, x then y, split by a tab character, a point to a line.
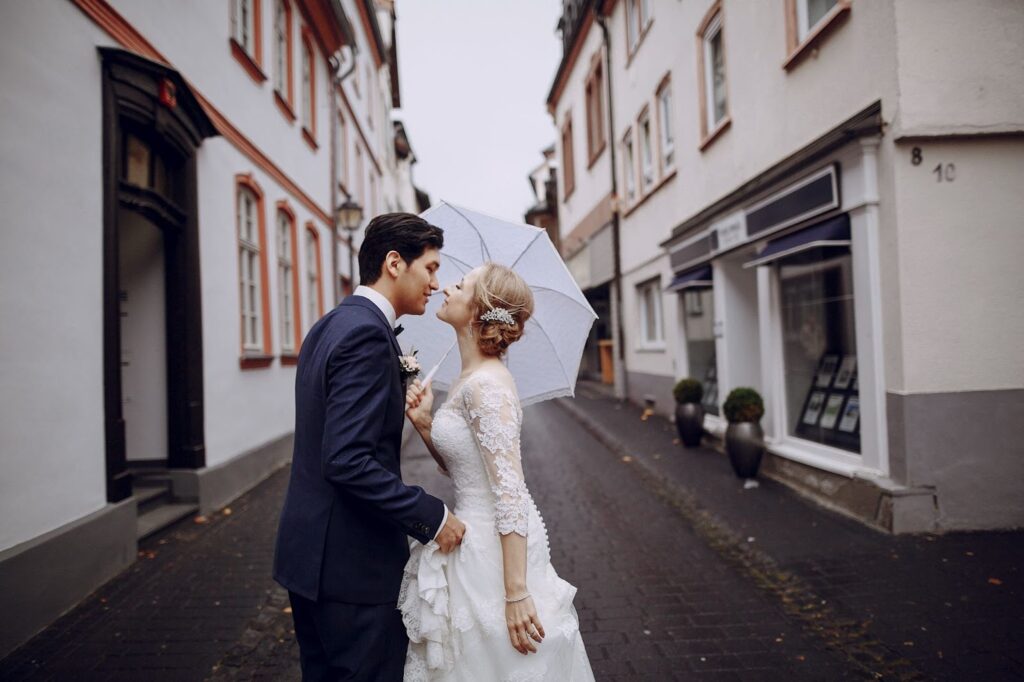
410	365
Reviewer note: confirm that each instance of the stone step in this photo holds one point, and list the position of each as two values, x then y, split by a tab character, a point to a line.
160	517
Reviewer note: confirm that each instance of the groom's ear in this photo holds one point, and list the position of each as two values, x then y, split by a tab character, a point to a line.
393	263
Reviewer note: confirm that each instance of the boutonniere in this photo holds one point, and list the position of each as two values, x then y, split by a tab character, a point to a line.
409	365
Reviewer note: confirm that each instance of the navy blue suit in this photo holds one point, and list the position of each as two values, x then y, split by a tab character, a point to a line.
342	542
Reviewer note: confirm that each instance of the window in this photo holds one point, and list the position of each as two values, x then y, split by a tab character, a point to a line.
646	151
568	172
809	13
245	37
666	143
283	50
628	167
343	151
819	348
711	57
638	16
359	196
372	206
287	280
314	299
806	21
595	109
651	333
308	91
252	273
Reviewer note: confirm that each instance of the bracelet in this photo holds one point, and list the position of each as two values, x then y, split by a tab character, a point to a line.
514	601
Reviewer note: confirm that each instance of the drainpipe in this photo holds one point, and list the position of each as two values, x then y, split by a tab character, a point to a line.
334	63
618	329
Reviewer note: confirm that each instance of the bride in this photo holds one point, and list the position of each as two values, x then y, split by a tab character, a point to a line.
494	608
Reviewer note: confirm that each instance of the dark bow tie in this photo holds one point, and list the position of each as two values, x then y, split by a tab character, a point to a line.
399	329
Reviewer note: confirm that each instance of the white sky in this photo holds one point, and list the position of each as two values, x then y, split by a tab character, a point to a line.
474	76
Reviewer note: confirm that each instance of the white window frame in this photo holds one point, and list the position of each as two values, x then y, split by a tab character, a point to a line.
629	167
646	151
638	16
666	141
307	89
285	295
244	25
249	271
651	288
713	29
280	48
803	26
312	279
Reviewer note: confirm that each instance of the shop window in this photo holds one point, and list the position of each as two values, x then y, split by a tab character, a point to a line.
651	330
714	114
666	141
568	171
699	317
643	125
628	167
820	348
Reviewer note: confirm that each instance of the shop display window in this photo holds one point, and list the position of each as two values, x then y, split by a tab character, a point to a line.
820	348
698	304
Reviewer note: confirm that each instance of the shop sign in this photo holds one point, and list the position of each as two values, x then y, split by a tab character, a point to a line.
730	231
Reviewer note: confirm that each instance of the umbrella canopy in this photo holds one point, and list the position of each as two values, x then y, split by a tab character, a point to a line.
545	361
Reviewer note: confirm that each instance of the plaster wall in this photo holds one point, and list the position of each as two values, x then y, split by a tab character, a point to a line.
959	66
51	342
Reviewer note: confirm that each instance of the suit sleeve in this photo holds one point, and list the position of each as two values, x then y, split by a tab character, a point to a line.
357	389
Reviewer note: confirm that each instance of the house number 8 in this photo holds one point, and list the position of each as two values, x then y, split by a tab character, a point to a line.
944	173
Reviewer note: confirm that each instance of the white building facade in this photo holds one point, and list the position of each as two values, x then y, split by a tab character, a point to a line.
170	178
813	201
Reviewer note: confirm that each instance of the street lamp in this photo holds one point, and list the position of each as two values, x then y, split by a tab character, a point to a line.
349	216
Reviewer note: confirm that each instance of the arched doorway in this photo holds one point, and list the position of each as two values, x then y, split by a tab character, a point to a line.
152	323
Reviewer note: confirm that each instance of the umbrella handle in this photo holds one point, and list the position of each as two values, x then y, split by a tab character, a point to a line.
433	370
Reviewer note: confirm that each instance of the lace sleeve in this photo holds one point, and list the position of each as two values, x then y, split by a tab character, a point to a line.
495	419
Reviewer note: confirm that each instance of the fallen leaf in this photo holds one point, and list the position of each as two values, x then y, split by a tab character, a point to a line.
801	658
968	553
908	643
287	609
201	519
675	441
226	511
656	456
995	581
627	458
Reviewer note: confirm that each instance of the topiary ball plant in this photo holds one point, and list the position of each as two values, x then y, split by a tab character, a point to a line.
688	391
743	405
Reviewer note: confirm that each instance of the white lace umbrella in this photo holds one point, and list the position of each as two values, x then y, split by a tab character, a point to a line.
546	359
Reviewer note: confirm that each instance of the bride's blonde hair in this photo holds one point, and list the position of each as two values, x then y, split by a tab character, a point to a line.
498	286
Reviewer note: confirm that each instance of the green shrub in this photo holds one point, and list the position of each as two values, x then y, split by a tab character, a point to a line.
688	391
743	405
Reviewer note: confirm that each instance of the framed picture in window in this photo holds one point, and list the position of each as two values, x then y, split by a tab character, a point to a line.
814	405
833	406
851	415
856	382
825	372
846	371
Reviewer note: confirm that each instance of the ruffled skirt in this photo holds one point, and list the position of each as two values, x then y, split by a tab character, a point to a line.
453	607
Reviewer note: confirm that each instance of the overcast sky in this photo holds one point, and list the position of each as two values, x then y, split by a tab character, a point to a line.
475	75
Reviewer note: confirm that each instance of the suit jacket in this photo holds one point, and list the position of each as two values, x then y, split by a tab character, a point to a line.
346	518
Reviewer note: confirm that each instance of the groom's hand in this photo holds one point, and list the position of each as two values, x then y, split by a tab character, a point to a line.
450	536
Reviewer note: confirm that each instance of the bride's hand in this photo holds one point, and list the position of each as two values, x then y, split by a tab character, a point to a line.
419	399
524	626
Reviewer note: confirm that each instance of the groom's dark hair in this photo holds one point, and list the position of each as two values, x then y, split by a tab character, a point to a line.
408	234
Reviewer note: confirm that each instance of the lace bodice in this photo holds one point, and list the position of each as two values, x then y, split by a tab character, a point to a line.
476	431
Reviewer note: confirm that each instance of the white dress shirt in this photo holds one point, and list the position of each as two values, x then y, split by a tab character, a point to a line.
382	302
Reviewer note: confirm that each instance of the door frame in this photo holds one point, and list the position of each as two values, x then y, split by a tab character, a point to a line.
154	101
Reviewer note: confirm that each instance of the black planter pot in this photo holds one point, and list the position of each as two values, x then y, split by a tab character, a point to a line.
690	423
744	441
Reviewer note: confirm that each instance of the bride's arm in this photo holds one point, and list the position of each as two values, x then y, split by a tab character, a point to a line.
418	401
495	420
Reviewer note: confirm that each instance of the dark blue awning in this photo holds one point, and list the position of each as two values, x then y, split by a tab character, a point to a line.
697	278
833	232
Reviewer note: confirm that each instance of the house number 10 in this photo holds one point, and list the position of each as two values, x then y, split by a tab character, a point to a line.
943	172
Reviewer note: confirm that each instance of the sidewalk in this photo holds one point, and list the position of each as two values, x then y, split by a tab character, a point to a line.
946	607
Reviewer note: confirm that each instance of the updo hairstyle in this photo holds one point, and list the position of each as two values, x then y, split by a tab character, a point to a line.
498	286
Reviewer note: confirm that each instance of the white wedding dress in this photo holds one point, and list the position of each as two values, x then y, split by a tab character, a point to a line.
453	605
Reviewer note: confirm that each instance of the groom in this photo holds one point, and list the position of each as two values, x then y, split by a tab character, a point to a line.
341	546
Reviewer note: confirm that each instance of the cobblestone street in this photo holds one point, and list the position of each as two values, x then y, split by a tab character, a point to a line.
681	575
